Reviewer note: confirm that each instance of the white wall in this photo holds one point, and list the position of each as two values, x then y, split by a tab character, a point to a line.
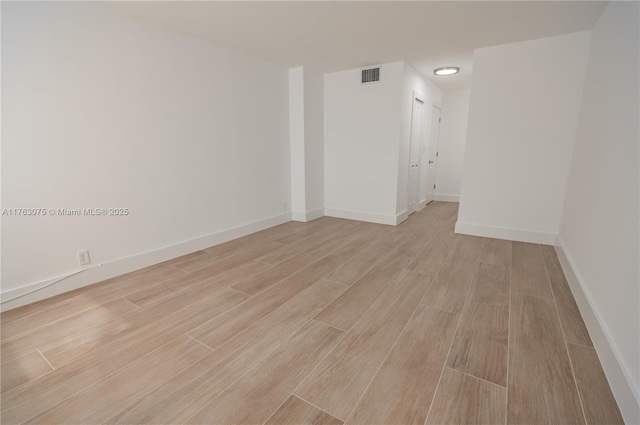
600	232
314	143
453	137
101	110
523	113
432	95
361	135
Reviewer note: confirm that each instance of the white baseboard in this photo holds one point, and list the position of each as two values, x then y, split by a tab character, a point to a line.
307	216
403	216
443	197
617	373
99	272
506	233
361	216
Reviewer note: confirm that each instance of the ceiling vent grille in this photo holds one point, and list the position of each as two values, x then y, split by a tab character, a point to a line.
370	75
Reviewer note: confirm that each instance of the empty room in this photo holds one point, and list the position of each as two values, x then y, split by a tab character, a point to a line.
320	212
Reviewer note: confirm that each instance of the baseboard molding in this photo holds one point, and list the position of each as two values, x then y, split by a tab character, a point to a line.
617	373
96	273
505	233
403	216
361	216
307	216
442	197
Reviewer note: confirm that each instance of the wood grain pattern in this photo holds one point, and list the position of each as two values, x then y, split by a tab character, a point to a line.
257	283
480	346
541	386
30	317
496	252
288	345
185	394
223	328
202	276
53	333
337	384
43	393
354	269
528	272
295	411
95	404
450	287
403	388
344	312
23	369
462	399
265	386
599	405
434	254
570	318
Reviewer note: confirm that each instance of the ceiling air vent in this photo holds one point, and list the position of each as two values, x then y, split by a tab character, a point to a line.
370	75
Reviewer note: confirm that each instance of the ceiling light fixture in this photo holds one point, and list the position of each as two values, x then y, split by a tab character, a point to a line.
447	70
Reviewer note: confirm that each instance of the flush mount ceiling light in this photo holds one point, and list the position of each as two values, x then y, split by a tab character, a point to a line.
446	70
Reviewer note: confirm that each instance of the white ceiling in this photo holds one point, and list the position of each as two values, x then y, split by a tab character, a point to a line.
330	36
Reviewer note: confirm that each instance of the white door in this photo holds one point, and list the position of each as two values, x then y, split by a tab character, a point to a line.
432	154
417	118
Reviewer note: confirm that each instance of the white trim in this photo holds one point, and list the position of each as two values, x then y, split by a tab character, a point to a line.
506	233
361	216
307	216
404	215
443	197
99	272
614	367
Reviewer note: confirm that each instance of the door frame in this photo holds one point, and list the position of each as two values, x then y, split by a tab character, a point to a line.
415	95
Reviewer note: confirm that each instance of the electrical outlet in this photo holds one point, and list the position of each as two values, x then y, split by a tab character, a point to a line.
284	206
83	257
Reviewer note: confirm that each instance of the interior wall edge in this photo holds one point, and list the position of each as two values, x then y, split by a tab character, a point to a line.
618	375
443	197
100	272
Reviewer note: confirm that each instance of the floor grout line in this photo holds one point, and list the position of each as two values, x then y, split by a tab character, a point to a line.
476	377
564	339
509	336
317	407
45	359
130	302
327	324
435	393
198	341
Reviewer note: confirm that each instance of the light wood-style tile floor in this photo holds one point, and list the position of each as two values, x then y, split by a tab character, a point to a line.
328	322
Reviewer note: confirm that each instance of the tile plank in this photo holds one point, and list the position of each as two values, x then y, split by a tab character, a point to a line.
496	252
599	404
53	333
337	384
432	257
450	287
402	389
221	329
23	369
355	268
480	347
295	411
462	399
258	393
344	312
541	386
185	394
528	272
257	283
98	402
38	395
572	324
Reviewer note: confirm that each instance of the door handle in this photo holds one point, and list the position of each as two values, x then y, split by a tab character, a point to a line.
430	162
